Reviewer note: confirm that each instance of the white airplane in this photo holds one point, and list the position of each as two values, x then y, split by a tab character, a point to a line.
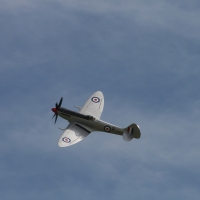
87	120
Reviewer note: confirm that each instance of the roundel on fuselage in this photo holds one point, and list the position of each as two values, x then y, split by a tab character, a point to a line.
107	128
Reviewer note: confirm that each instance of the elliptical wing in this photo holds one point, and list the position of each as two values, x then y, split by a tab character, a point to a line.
94	105
73	134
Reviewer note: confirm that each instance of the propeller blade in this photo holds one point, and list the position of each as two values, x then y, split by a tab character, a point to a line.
54	115
60	103
57	108
56	119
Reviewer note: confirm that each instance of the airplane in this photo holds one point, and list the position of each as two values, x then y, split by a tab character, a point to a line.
87	120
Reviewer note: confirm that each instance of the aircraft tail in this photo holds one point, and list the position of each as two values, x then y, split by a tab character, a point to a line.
132	131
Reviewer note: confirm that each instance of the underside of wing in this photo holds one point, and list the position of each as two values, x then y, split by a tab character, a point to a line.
94	105
73	134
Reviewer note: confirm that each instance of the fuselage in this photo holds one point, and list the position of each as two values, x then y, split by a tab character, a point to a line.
89	122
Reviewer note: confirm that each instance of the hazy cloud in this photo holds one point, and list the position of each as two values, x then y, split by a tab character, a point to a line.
144	57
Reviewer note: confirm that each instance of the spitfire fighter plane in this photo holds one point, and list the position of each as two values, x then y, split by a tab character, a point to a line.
87	120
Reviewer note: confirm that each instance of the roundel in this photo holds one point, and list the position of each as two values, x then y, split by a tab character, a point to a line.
95	99
66	139
107	128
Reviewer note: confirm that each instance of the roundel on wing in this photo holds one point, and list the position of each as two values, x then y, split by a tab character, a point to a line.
66	139
95	99
107	128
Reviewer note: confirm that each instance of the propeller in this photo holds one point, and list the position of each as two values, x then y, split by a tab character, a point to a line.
55	110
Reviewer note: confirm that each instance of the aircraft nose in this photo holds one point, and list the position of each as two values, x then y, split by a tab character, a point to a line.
54	110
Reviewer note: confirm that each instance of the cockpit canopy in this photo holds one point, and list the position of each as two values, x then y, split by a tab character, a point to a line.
89	117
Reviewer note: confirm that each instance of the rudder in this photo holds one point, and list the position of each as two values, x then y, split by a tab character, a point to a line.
132	131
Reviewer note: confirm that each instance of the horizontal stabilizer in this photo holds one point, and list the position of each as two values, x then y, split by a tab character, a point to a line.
132	131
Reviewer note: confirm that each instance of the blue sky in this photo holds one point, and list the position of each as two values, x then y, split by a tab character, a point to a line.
143	55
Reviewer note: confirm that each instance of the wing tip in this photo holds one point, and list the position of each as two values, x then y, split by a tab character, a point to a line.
99	94
62	144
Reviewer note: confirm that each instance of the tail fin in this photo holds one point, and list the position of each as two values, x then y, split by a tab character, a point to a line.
132	131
